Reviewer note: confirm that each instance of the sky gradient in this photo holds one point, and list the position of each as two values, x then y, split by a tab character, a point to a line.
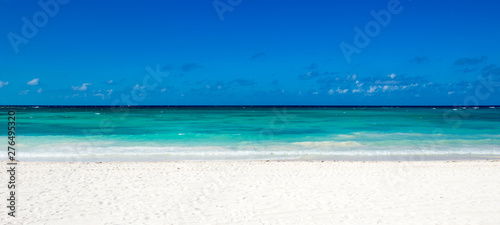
221	52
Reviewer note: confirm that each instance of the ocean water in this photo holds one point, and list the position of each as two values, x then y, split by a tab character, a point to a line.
254	133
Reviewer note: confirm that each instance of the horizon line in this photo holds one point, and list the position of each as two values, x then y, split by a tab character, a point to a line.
266	106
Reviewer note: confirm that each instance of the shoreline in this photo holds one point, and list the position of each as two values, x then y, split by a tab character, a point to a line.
165	158
447	160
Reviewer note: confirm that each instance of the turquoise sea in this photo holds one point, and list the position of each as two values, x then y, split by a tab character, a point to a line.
254	133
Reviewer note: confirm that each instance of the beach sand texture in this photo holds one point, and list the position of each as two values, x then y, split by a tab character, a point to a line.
257	192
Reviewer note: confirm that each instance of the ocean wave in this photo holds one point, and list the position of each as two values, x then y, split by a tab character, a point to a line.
328	144
139	153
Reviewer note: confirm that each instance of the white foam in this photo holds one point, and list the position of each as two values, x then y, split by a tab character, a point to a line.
328	144
244	152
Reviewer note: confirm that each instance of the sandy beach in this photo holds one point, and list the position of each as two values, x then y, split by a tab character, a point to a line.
257	192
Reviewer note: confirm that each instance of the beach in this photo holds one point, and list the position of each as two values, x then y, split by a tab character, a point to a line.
257	192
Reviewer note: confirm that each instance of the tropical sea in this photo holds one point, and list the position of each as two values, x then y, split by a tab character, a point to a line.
255	133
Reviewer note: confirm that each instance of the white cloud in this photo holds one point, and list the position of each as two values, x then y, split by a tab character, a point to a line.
354	77
2	83
450	92
342	91
39	90
373	89
315	93
330	92
392	75
387	82
392	88
110	81
33	82
100	93
81	88
164	89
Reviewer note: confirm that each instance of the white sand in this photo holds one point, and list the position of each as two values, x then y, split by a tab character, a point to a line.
440	192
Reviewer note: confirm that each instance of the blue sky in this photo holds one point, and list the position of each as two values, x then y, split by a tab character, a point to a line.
250	52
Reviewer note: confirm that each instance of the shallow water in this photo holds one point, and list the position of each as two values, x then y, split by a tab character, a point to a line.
249	133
